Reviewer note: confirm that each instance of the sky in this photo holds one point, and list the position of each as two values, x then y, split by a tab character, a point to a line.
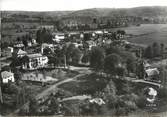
61	5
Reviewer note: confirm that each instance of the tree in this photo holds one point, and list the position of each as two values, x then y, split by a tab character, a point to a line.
156	49
140	69
163	76
68	49
43	36
33	106
6	68
76	55
25	41
112	49
38	39
15	62
47	51
54	106
162	49
110	88
97	58
111	63
148	52
17	75
86	57
131	63
18	39
24	60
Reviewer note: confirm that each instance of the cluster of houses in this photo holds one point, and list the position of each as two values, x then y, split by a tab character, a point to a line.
33	61
37	60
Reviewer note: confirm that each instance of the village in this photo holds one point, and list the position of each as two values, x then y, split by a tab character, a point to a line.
36	70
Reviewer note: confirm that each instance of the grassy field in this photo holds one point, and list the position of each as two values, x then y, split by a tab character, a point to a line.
147	33
10	31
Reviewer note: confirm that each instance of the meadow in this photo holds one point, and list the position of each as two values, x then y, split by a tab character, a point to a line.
147	33
144	34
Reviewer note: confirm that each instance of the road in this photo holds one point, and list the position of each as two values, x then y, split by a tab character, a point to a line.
53	88
83	71
78	97
142	81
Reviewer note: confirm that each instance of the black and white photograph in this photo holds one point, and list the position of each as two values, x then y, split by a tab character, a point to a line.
83	58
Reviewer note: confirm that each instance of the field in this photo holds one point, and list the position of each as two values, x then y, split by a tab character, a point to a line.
147	33
10	31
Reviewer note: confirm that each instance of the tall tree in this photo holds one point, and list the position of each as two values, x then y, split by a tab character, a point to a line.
76	55
140	69
163	76
111	63
156	49
97	58
162	49
148	52
38	39
33	106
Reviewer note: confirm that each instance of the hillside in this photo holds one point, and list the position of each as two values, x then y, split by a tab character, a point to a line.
155	11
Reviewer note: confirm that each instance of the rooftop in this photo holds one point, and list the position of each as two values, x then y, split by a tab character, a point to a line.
5	74
152	72
36	55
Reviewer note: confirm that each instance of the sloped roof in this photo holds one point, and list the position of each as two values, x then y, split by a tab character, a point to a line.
5	74
35	55
152	72
147	65
19	51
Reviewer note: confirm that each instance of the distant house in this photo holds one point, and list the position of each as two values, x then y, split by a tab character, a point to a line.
34	41
147	66
48	27
7	77
35	61
78	45
51	46
29	43
7	51
164	55
152	74
19	53
99	32
91	44
18	45
58	37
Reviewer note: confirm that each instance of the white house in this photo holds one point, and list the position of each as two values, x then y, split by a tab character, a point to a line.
35	61
7	77
58	37
19	53
45	45
18	45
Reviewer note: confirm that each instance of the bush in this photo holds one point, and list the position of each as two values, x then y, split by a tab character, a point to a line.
163	93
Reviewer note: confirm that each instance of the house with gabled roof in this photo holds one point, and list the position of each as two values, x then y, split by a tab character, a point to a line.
19	53
7	77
